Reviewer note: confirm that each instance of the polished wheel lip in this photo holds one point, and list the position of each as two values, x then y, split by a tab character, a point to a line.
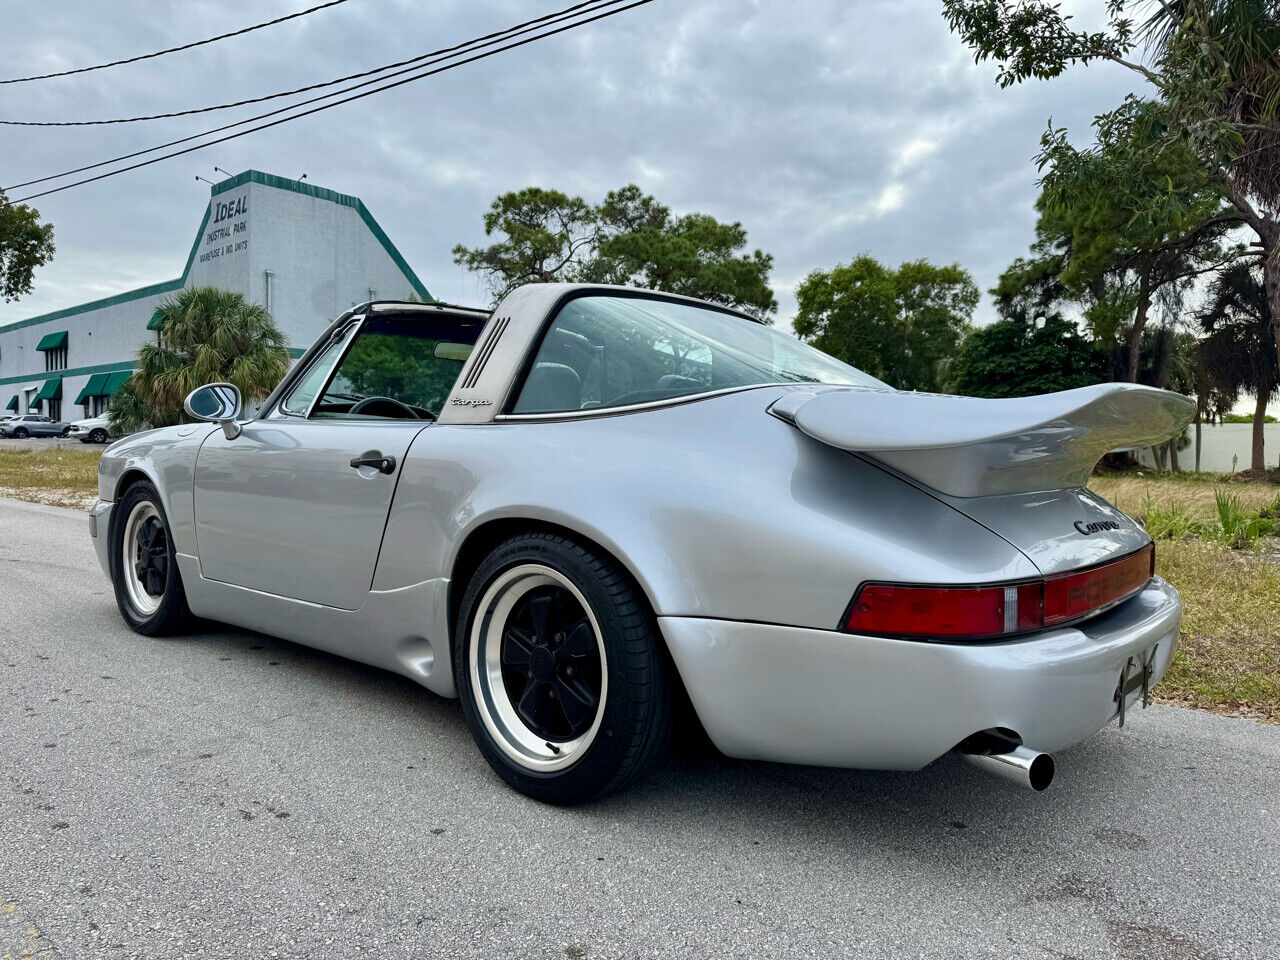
517	742
142	602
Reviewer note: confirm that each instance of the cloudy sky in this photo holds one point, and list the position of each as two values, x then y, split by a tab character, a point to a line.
827	127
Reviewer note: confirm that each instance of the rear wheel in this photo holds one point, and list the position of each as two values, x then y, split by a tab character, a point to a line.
560	670
144	567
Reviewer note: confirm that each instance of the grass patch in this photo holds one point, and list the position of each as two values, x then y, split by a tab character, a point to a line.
1229	658
52	475
1192	493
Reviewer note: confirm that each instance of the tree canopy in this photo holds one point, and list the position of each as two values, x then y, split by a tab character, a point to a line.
1012	358
901	326
25	244
1212	68
206	335
1133	225
629	238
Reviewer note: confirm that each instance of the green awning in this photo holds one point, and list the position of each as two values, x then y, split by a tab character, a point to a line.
115	381
13	404
156	321
52	341
52	390
94	387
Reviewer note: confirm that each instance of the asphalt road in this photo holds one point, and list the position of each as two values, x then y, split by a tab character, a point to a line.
227	794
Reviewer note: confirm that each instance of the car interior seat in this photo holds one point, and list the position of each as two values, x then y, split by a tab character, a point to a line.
552	386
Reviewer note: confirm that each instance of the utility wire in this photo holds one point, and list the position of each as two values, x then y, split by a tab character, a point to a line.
358	96
185	46
289	93
445	53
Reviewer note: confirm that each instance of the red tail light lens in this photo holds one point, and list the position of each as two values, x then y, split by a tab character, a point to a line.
998	610
953	612
1073	595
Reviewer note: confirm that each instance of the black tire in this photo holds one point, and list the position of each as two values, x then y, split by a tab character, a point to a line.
98	436
634	728
20	433
172	612
66	432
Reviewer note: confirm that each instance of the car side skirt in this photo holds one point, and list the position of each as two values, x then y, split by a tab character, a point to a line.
389	630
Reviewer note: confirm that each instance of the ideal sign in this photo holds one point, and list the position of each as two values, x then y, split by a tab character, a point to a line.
232	208
227	226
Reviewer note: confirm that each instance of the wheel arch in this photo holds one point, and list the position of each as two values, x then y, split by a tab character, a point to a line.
128	478
484	537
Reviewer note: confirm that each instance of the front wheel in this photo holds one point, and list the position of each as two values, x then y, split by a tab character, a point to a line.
98	436
559	667
144	566
20	433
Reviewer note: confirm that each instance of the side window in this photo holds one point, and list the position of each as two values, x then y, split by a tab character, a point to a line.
399	368
299	400
607	353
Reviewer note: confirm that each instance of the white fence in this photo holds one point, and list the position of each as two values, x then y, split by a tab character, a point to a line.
1224	448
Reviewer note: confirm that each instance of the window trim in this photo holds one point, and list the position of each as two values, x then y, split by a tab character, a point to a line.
646	405
347	331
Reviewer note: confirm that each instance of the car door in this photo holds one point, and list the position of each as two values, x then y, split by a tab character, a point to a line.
43	427
296	505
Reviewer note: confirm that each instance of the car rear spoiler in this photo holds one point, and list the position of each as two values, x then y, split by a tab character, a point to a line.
972	447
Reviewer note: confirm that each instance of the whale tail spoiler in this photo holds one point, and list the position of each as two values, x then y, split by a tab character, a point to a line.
973	447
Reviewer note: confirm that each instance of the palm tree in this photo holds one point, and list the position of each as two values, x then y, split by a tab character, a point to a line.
1240	348
207	335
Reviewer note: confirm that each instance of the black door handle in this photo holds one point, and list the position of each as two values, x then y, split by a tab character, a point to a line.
372	458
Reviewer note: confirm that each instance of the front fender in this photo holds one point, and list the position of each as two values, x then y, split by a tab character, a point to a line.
167	458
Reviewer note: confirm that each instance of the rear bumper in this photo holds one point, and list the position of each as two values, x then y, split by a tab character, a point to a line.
100	531
795	695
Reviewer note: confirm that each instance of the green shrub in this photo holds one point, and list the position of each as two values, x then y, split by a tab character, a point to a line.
1172	524
1237	526
1244	418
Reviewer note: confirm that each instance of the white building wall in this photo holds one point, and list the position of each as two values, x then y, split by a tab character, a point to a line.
324	250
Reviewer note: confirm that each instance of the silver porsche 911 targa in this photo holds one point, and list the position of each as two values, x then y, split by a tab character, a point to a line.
579	510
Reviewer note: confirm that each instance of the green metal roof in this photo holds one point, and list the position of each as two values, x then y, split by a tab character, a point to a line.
13	404
52	341
156	321
115	381
52	390
93	388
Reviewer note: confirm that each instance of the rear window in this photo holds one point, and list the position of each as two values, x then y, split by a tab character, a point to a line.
611	351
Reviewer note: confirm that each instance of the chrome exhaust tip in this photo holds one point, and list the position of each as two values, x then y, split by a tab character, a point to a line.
1021	765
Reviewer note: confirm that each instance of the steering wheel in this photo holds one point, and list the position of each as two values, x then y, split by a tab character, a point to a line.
400	408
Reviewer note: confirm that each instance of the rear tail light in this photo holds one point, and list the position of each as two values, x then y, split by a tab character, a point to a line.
1071	596
994	611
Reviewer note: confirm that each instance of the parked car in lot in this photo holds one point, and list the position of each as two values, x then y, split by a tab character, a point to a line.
33	425
621	497
90	430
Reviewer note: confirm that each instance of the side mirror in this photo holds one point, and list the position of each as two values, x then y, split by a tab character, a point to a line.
218	403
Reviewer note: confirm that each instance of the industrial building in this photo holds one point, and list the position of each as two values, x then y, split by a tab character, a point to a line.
304	252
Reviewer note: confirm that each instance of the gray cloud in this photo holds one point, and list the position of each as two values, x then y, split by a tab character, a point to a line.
827	128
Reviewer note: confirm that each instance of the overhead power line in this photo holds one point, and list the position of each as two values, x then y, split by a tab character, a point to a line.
185	46
327	106
307	89
445	53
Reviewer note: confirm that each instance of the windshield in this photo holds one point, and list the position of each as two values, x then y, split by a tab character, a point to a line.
614	351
